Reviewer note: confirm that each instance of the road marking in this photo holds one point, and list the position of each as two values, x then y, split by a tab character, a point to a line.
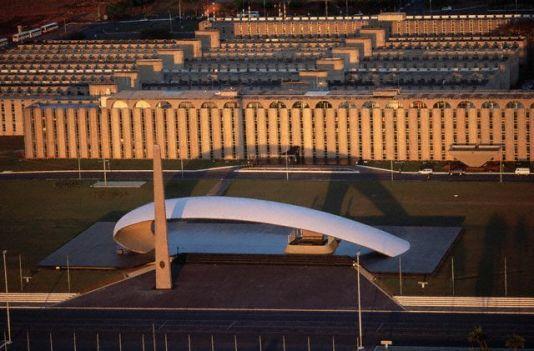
379	327
295	171
275	310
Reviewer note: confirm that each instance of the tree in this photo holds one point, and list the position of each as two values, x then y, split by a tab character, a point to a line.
515	342
477	337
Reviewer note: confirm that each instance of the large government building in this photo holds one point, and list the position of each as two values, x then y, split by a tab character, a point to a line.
336	89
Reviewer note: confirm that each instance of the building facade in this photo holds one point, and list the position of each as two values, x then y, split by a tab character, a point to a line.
326	128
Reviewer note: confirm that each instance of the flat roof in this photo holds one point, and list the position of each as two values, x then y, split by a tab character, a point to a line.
168	94
247	93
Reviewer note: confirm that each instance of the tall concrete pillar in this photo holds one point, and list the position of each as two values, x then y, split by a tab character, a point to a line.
163	262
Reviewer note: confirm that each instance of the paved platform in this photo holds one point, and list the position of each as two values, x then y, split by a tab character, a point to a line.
118	184
244	287
437	348
428	248
95	247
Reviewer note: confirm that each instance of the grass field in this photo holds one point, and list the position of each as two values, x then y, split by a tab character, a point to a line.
497	219
12	148
37	217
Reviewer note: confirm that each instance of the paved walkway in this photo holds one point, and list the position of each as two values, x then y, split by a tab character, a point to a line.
222	185
231	286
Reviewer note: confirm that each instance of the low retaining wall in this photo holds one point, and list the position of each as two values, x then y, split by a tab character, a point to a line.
41	298
465	301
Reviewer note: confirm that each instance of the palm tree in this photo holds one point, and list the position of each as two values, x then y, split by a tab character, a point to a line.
477	336
515	342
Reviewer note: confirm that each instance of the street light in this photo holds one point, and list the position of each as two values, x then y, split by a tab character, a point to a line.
287	166
79	167
500	163
8	317
356	265
181	162
104	161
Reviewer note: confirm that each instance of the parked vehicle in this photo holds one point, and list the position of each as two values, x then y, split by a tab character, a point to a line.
33	33
522	171
455	168
426	171
21	36
50	27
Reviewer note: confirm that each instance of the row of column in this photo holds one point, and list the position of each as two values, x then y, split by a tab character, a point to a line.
295	28
10	124
374	134
131	134
447	26
385	134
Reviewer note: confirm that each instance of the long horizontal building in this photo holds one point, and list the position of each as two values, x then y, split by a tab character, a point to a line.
337	89
326	127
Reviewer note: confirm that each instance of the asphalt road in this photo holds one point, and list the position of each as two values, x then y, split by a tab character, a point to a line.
403	328
362	174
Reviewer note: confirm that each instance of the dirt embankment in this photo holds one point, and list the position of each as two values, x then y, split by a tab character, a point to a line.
29	13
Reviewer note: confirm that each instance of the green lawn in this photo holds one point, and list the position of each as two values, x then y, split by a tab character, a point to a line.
497	219
37	217
91	164
12	150
414	166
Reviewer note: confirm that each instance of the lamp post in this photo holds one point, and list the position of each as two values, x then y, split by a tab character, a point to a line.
287	170
68	273
360	334
8	317
79	168
105	171
287	165
400	275
181	162
500	164
452	275
505	277
20	273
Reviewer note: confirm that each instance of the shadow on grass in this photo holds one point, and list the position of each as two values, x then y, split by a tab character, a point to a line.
393	213
488	266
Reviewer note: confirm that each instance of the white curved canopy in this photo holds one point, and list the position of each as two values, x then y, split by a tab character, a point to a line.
257	211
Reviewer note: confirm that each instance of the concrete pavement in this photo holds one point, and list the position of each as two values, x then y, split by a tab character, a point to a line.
322	328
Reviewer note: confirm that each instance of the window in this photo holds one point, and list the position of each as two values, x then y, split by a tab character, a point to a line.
299	104
466	105
164	105
490	104
185	104
208	105
120	104
277	104
418	105
370	104
231	104
142	104
254	105
442	105
346	105
394	104
323	104
514	105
